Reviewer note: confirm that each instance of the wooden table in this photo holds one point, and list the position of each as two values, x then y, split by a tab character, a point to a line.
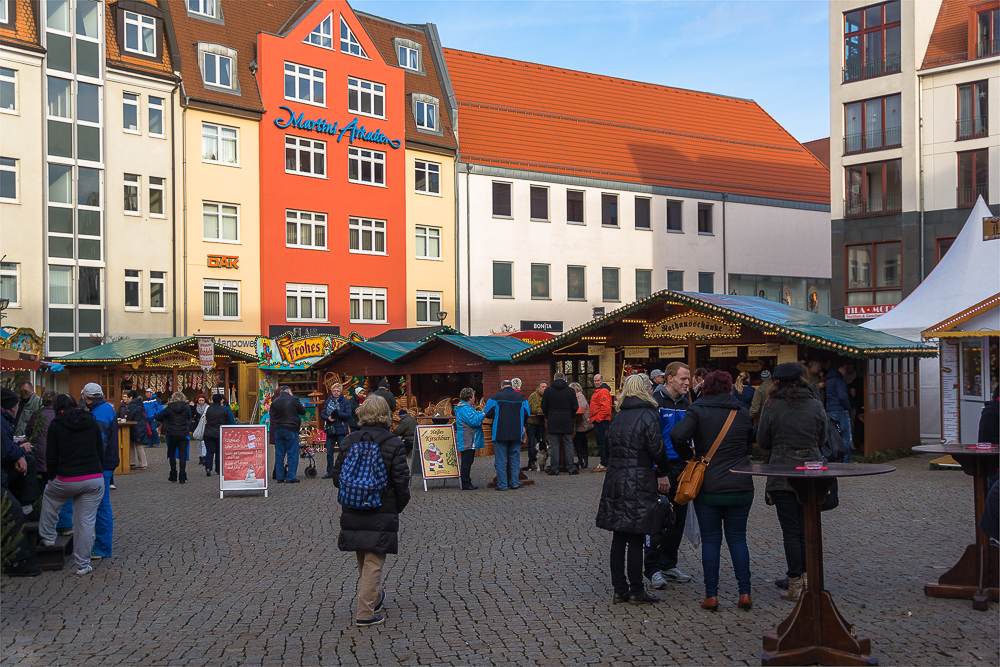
815	632
974	576
124	447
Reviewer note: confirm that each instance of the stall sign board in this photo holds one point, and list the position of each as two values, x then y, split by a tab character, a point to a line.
866	312
991	229
243	457
788	353
608	368
437	452
295	352
723	351
766	350
692	325
636	352
206	353
595	350
673	352
949	392
172	360
749	366
542	325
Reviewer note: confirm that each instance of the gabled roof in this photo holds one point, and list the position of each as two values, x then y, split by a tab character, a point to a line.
491	348
388	350
117	59
953	325
821	149
413	334
23	31
796	325
949	42
128	350
539	118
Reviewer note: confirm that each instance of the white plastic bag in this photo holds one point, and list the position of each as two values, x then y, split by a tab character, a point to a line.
691	529
199	430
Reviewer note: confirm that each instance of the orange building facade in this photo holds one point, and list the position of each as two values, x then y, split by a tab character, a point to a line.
332	178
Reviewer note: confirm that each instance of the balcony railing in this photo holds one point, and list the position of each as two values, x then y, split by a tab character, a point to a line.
971	128
989	47
873	141
859	207
967	197
872	69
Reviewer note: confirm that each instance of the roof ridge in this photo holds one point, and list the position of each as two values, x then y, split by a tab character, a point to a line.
415	27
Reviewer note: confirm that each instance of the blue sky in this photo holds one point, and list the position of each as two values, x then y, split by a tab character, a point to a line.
776	53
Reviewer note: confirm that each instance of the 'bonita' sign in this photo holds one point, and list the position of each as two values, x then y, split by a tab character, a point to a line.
352	129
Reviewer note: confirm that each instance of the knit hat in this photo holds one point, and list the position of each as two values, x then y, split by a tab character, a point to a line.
788	371
8	399
403	412
358	391
92	390
384	384
765	375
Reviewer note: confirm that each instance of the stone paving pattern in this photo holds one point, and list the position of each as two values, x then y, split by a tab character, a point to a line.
484	578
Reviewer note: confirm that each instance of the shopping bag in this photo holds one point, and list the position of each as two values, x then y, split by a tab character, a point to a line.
691	529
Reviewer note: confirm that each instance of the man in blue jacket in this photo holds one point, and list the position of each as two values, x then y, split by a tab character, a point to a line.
107	421
151	406
336	416
508	409
838	403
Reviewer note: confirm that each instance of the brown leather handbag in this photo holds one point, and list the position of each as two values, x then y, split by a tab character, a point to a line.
690	481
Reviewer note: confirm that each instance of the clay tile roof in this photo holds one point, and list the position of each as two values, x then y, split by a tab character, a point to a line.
523	115
23	32
242	20
950	38
821	149
382	32
118	59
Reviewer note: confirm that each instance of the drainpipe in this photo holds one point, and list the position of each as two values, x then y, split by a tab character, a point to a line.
173	205
458	278
468	248
920	150
725	273
185	204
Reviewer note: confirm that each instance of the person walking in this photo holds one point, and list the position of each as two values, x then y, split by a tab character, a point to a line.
175	419
336	415
793	426
469	434
286	420
107	422
216	416
600	417
760	395
559	406
383	391
631	488
138	433
581	427
75	456
371	534
198	409
536	424
508	409
743	390
838	403
152	406
723	504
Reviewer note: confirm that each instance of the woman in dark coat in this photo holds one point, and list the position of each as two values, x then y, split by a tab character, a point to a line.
216	417
793	426
372	534
175	420
631	488
724	502
137	437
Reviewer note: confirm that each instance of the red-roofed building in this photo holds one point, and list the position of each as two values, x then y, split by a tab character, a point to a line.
579	192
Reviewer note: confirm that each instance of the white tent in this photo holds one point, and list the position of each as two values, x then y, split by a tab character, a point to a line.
966	275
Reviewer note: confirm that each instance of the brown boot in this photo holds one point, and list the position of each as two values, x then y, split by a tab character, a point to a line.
794	588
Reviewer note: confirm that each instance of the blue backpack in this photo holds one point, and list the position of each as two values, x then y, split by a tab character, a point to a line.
363	477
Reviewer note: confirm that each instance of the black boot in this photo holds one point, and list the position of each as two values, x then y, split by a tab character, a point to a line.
173	471
183	474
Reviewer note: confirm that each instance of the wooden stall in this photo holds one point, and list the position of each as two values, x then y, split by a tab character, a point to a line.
743	333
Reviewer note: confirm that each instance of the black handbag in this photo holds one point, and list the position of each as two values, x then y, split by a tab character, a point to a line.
835	449
832	499
664	514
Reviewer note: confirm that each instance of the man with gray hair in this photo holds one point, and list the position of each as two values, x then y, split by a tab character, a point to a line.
559	405
508	410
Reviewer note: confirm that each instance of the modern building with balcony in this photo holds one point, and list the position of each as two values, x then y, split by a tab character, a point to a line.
911	148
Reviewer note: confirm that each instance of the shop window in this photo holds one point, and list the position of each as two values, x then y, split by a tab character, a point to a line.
576	283
642	213
364	166
674	217
8	179
539	281
365	97
675	281
874	189
305	157
305	84
219	144
706	283
8	86
872	41
874	274
988	33
610	284
156	116
539	203
428	242
132	289
503	280
10	283
609	210
428	307
222	300
322	35
367	236
304	229
705	219
132	182
220	222
130	107
942	245
157	291
574	206
348	42
973	177
408	53
501	200
973	111
305	303
872	125
427	177
368	305
156	192
643	283
140	34
425	112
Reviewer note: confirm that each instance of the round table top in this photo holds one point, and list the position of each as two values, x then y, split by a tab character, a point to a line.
950	448
832	470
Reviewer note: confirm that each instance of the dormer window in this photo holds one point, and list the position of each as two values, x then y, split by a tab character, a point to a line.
348	42
322	36
988	33
218	67
203	7
140	34
408	53
140	29
425	112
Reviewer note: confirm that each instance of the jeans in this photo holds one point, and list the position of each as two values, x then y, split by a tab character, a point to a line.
791	516
211	453
601	435
154	436
286	444
843	419
332	442
713	520
536	434
504	452
467	457
563	442
661	550
633	585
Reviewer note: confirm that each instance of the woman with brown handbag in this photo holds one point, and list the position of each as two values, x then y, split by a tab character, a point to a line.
722	432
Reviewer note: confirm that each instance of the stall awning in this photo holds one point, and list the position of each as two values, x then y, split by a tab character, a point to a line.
129	350
492	348
388	350
799	326
982	319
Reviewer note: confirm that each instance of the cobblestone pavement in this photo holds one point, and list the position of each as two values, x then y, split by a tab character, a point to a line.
484	578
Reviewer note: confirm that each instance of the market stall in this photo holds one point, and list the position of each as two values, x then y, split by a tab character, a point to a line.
288	360
21	361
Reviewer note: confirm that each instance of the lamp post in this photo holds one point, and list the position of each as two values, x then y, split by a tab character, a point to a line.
441	315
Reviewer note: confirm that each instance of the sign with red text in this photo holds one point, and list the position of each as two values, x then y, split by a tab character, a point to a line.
206	352
243	456
866	312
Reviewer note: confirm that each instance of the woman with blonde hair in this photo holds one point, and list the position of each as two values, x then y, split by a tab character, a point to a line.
632	487
175	420
743	390
581	427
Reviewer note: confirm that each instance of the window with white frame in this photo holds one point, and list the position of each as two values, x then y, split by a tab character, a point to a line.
218	65
368	305
140	34
408	53
133	282
10	283
348	42
219	144
305	157
428	307
428	242
366	236
425	112
156	196
132	183
304	229
157	291
155	116
8	88
220	222
305	303
4	18
365	97
222	300
203	7
427	177
130	112
8	179
365	166
322	35
305	84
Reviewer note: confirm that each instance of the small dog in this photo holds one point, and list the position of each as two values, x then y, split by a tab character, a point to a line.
542	457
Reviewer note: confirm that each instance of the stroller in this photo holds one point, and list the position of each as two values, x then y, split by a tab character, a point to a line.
306	453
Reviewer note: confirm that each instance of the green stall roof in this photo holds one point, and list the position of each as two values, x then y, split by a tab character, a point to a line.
128	350
491	348
388	350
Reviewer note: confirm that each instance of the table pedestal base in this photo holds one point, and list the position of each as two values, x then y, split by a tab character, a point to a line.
816	633
974	577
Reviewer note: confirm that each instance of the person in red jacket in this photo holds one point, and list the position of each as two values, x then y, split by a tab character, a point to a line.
600	417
